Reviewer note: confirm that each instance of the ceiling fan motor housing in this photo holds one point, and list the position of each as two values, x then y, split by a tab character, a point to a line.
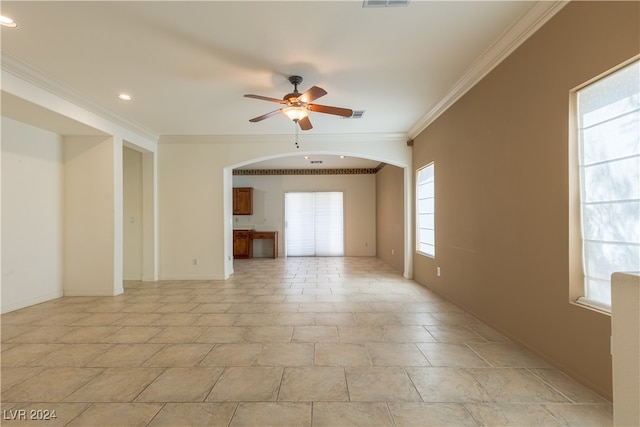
292	98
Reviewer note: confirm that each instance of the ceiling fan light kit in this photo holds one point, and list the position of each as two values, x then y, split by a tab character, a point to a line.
298	105
295	113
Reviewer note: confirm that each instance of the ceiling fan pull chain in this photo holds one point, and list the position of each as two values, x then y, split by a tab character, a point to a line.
297	140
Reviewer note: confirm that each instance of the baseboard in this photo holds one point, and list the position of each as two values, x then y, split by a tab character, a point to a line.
30	301
90	292
191	277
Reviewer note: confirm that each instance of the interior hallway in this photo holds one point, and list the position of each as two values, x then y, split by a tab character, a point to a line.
291	341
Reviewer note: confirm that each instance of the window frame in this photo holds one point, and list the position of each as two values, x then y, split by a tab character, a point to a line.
577	262
419	228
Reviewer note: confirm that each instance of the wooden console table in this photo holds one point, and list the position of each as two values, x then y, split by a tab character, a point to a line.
273	235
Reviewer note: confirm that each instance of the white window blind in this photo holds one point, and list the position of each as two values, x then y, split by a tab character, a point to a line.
609	141
314	224
425	207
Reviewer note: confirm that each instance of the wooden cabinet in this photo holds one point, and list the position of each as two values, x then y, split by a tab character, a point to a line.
243	201
269	235
242	244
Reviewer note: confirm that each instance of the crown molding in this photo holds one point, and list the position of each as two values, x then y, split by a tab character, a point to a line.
509	41
29	74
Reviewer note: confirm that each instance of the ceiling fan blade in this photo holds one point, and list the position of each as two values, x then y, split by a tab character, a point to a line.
265	116
336	111
305	123
313	93
265	98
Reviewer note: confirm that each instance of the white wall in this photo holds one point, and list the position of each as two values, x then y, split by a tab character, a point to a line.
193	190
625	348
268	207
32	214
133	217
195	184
85	247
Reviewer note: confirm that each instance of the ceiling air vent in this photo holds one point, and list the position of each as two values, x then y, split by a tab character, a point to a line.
385	3
316	162
357	114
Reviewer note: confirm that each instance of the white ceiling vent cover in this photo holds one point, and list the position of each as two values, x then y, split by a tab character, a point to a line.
357	114
385	3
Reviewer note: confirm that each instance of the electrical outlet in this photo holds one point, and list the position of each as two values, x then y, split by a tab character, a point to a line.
196	261
438	271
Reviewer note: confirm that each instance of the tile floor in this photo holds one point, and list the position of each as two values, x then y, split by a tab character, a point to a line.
285	342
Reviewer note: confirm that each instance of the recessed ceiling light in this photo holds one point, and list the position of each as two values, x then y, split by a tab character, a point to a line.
306	157
5	21
125	97
342	157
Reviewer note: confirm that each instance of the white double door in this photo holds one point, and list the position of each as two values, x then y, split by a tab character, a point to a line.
314	224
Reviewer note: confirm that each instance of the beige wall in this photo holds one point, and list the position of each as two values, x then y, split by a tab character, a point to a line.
93	216
390	216
502	185
133	214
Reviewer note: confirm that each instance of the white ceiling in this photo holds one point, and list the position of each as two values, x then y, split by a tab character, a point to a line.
188	64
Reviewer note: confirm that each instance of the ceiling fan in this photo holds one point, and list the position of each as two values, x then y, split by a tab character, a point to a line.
296	105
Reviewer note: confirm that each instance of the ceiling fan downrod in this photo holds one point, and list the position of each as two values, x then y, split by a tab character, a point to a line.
295	81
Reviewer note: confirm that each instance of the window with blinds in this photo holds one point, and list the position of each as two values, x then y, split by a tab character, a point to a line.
609	161
314	224
425	211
